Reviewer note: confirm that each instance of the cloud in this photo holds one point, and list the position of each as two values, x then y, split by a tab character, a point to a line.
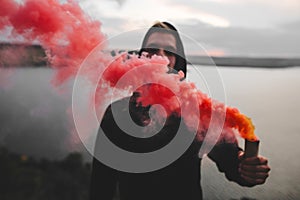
281	41
248	27
120	2
245	41
149	11
246	13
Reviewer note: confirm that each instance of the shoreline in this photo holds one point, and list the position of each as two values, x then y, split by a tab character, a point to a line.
255	62
35	55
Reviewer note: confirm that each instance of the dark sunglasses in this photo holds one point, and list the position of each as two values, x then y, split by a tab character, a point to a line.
153	51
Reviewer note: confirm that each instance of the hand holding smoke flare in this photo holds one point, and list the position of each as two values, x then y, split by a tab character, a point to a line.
69	36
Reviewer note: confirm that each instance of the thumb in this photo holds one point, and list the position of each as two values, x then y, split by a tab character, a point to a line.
241	155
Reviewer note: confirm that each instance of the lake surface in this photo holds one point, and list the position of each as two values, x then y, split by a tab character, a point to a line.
271	98
34	121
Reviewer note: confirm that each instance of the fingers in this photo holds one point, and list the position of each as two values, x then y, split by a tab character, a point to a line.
254	175
254	181
259	160
241	155
254	170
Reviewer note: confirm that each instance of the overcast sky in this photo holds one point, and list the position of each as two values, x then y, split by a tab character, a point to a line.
222	27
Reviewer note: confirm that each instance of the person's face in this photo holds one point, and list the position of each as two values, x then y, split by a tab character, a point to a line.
162	44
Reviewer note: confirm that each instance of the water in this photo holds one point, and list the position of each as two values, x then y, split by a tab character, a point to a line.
271	98
34	121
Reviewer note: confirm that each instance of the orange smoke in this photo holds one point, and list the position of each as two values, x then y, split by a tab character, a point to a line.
240	122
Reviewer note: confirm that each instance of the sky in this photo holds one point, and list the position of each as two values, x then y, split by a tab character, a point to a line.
255	28
263	28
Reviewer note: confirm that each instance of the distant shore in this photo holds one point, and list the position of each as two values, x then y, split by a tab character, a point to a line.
15	54
18	54
244	61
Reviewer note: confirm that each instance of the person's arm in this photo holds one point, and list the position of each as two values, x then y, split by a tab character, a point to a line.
103	182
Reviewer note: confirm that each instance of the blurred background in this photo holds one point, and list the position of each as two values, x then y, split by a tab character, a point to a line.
255	45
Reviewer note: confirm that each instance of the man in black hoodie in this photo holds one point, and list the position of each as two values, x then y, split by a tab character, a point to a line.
181	178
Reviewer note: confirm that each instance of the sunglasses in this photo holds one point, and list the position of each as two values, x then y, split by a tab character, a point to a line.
152	51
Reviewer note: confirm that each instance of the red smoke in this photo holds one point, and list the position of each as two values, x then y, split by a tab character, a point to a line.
64	30
179	97
69	35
